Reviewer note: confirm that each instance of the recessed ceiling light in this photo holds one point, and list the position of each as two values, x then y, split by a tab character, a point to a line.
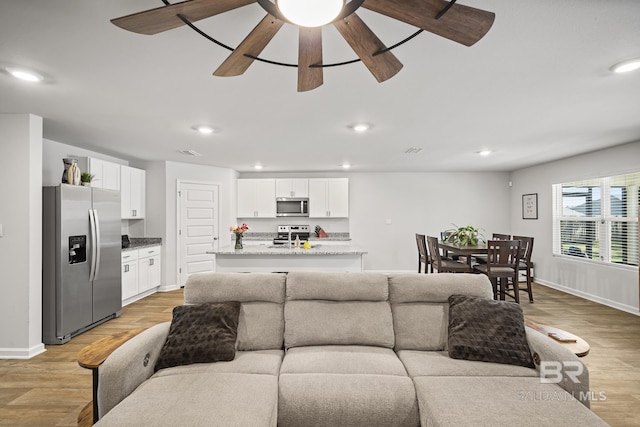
26	75
361	127
204	129
626	66
345	166
190	153
485	153
258	167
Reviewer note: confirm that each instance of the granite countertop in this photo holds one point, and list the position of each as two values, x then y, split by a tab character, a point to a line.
142	242
317	249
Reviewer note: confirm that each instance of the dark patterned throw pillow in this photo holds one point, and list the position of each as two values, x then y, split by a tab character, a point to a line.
487	330
201	334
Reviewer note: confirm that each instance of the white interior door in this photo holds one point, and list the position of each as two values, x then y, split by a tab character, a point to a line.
198	230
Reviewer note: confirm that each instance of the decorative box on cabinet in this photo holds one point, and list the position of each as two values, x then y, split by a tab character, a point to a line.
132	193
256	198
329	197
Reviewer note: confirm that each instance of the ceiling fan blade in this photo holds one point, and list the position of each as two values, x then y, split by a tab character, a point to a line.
462	24
165	18
309	53
237	63
365	44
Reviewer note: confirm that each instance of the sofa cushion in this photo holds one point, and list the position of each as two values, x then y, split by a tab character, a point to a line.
200	334
338	323
242	287
487	330
498	401
420	305
420	326
263	362
333	286
342	360
261	324
230	400
438	363
329	400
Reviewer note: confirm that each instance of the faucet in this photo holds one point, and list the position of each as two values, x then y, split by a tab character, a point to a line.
289	236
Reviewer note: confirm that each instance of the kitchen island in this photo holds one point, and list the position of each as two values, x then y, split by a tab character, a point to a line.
271	258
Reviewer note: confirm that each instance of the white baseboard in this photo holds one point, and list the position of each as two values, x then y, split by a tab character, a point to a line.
590	297
22	353
168	288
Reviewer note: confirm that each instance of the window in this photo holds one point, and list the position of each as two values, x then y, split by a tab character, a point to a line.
597	219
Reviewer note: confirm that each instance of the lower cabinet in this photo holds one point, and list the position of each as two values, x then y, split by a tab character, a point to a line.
140	271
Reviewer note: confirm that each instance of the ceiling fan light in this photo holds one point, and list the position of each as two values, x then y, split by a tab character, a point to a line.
626	66
26	75
310	13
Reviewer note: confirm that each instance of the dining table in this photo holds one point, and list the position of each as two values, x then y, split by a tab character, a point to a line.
464	250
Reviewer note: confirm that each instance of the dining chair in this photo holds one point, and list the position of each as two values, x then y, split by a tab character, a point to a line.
444	235
482	259
525	264
441	264
423	254
502	267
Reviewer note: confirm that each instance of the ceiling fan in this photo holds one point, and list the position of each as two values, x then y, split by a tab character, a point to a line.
459	23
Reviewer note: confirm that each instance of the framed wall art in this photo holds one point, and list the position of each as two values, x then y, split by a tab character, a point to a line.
530	206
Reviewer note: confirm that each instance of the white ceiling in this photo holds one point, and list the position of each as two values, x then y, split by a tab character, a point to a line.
536	88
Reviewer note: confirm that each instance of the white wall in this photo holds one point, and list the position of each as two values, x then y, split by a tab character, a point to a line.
21	245
616	286
425	203
162	178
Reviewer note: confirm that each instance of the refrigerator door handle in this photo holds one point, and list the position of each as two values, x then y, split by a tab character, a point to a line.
92	230
98	244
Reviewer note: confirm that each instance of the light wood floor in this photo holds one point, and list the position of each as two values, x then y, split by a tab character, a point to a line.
51	389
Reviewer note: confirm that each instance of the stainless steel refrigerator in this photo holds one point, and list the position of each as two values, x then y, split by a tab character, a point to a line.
81	272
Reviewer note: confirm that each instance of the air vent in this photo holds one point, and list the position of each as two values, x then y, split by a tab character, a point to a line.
412	150
190	153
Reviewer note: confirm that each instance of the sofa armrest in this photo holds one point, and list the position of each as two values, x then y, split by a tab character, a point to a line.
557	364
129	366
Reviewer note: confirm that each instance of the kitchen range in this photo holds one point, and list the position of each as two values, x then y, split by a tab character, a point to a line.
288	234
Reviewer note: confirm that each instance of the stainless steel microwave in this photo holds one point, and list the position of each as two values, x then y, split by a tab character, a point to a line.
292	206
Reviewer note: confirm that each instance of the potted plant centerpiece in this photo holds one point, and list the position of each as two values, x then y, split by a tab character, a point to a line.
465	236
238	231
86	178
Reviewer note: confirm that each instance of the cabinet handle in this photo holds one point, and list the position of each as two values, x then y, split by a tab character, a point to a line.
126	268
125	257
151	261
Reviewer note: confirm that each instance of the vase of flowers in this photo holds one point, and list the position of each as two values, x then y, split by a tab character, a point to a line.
238	231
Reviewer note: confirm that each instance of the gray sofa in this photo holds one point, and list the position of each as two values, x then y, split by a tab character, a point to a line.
330	349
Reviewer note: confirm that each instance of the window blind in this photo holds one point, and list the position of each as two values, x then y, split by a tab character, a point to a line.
597	219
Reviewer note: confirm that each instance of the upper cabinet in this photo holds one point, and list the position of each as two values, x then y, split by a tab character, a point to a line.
329	197
298	187
256	198
105	174
132	193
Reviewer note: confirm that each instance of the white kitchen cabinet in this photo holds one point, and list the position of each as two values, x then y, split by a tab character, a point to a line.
256	198
105	174
298	187
129	274
148	268
329	197
132	193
